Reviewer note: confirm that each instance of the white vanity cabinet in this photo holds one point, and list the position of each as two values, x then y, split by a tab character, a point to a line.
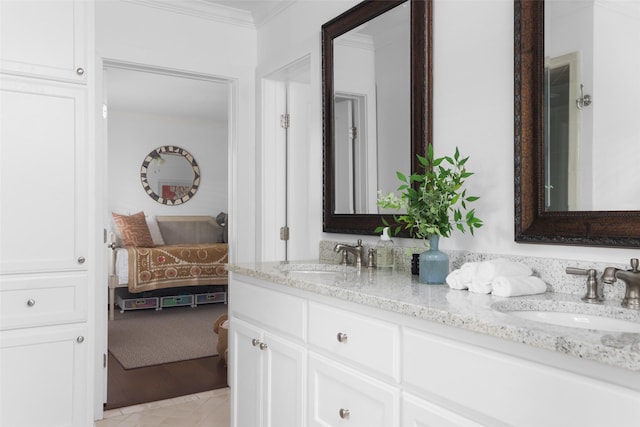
369	367
45	267
267	357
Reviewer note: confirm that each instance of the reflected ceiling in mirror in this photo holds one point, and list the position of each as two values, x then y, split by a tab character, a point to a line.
170	175
534	221
377	106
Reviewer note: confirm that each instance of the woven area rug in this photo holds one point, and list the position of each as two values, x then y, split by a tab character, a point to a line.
140	338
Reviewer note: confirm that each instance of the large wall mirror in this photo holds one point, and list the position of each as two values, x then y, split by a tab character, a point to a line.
376	104
577	133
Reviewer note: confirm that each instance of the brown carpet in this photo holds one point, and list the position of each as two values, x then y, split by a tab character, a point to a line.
147	337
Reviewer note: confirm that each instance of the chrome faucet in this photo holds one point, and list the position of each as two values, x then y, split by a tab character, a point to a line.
357	251
631	278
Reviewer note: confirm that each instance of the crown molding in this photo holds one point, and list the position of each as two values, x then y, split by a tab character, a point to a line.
213	11
202	9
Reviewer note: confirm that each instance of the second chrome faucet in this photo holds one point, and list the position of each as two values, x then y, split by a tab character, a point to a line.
356	250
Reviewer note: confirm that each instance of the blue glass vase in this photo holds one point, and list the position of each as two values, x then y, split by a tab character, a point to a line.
434	264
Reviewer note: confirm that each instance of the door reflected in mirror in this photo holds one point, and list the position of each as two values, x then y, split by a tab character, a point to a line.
372	110
592	131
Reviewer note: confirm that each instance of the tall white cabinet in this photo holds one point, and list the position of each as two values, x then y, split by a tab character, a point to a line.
45	263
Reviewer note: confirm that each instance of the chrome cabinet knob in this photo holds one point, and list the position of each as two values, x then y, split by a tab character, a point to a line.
344	413
342	337
81	260
31	302
80	339
255	342
79	71
263	346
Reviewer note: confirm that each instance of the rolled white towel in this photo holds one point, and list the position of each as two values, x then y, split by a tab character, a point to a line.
480	287
489	270
468	271
461	278
455	281
518	285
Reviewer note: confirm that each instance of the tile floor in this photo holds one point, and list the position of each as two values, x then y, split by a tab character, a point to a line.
210	409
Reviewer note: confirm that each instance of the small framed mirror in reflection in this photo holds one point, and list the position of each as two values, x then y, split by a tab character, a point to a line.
170	175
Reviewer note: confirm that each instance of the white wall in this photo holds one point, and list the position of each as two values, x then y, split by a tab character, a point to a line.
130	32
134	135
473	109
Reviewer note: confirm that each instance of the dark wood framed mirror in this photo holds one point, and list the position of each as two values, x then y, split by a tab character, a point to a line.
534	221
361	215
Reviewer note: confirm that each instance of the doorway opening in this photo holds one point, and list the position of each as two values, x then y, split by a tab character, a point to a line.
145	108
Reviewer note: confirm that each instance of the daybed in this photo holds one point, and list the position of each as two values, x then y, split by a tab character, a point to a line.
178	251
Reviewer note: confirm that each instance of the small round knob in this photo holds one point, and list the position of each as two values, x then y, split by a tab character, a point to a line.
81	260
263	346
79	71
80	339
344	413
31	302
255	342
342	337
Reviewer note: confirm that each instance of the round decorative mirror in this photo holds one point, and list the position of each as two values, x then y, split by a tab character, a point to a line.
170	175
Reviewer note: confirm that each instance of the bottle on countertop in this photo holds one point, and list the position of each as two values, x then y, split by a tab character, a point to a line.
384	250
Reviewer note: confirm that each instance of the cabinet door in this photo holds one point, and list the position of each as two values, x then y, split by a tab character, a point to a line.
43	190
246	374
44	38
420	413
340	396
43	377
285	383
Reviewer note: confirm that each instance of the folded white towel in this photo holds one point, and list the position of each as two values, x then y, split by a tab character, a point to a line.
518	285
461	278
489	270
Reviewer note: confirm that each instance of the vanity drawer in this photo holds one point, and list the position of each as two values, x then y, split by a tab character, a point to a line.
269	309
42	300
361	340
339	396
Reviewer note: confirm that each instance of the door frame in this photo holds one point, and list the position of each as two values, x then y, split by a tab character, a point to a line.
100	201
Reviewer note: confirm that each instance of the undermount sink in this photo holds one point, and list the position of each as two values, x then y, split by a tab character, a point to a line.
577	320
599	317
312	268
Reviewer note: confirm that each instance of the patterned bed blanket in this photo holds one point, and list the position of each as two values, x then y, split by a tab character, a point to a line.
173	266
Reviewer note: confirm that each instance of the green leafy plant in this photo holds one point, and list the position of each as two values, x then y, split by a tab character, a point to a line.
433	202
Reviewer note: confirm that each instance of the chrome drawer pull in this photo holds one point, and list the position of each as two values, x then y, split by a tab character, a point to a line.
31	302
344	413
81	260
342	337
80	339
263	346
79	71
255	342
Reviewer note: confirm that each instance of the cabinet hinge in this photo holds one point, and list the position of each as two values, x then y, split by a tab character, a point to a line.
104	111
353	133
104	360
284	121
284	233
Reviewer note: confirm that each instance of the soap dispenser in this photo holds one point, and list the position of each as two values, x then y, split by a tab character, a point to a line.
384	250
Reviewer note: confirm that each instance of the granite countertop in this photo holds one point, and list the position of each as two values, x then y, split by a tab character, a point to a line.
401	293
